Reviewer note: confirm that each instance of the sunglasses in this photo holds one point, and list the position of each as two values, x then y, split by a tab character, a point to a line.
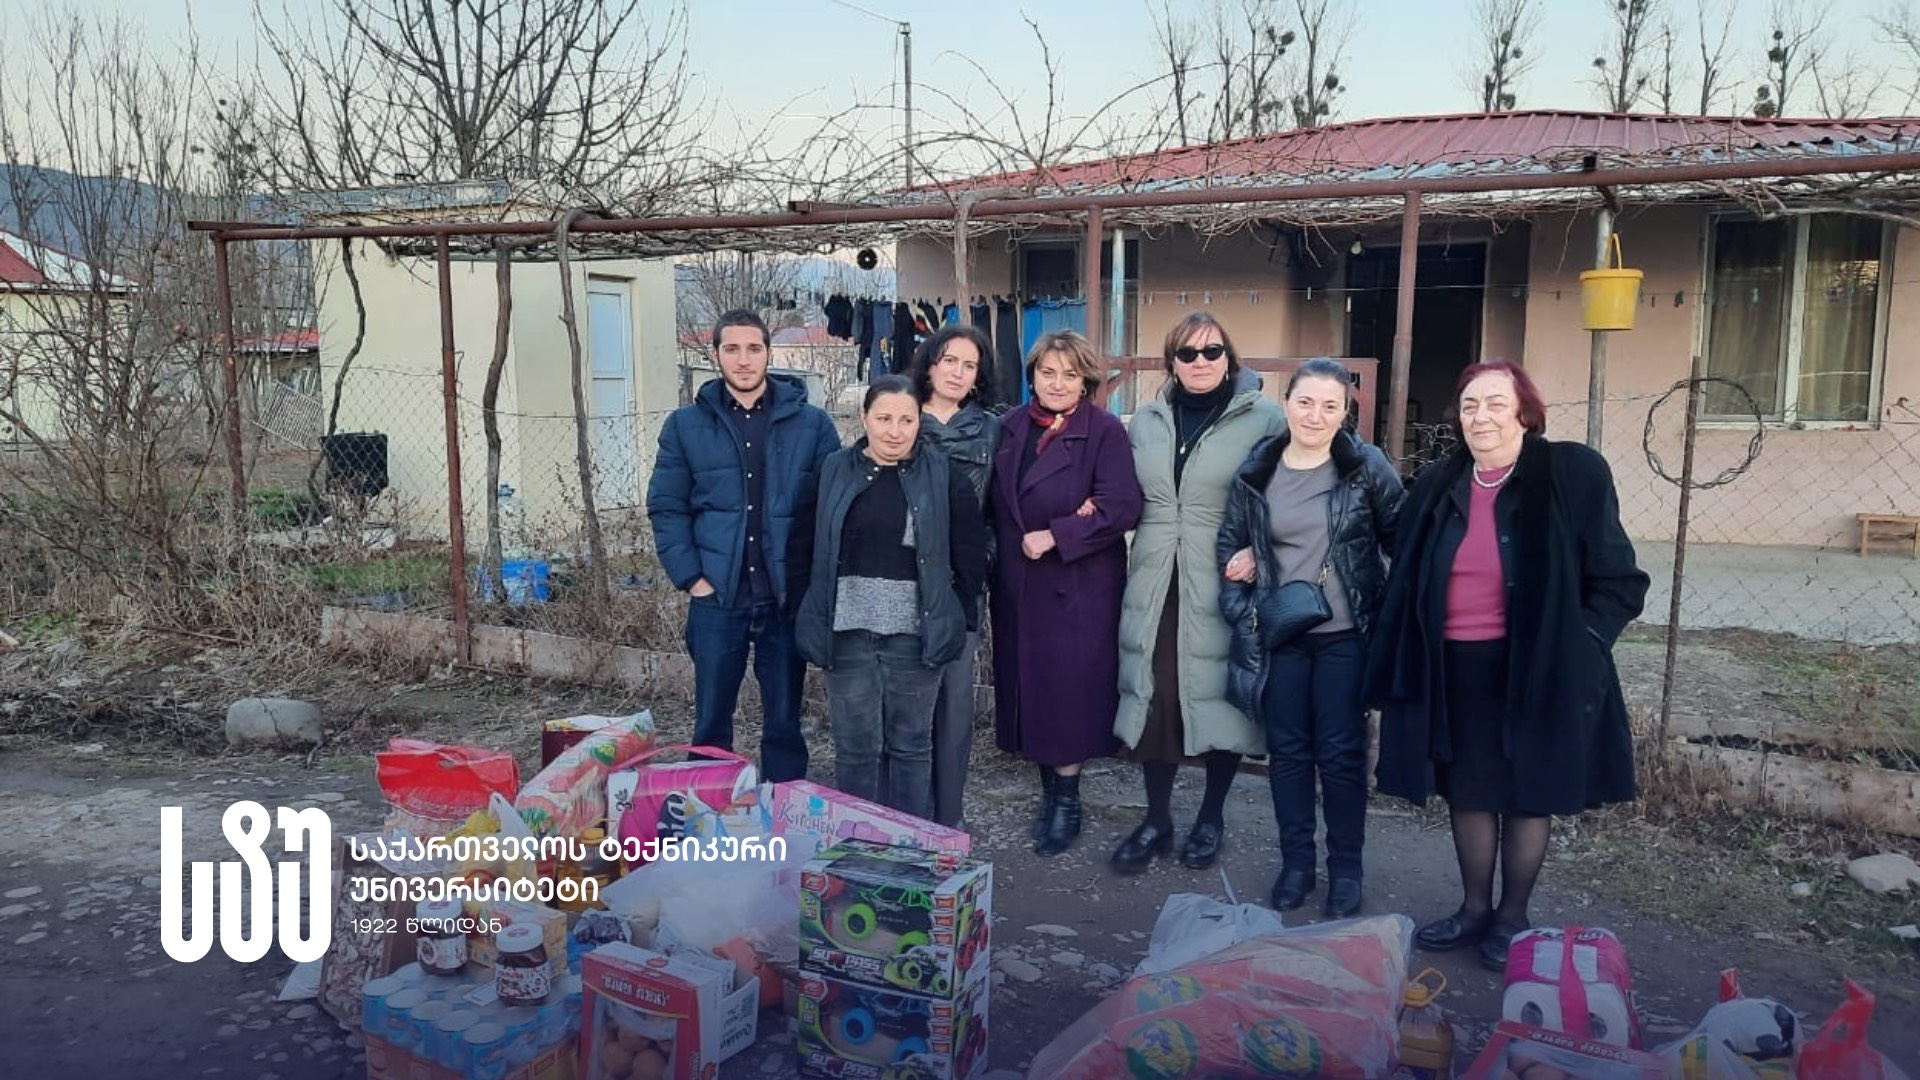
1187	354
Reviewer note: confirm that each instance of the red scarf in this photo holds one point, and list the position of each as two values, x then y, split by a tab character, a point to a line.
1051	422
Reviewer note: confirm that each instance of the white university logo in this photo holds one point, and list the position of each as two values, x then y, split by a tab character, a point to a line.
247	923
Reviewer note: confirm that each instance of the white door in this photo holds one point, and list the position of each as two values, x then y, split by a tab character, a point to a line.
616	446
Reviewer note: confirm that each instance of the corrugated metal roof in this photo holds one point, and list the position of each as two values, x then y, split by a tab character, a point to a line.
27	265
1522	141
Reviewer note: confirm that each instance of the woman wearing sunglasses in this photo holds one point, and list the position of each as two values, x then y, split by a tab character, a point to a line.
1174	643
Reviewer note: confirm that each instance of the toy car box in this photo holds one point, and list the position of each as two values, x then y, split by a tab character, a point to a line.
671	1017
1521	1050
849	1032
898	918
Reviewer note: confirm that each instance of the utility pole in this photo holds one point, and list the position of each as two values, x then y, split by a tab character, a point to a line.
1597	346
906	51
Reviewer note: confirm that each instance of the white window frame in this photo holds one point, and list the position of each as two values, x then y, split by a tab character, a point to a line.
1788	416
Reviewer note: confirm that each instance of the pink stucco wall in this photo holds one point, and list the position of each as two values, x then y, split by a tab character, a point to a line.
1806	485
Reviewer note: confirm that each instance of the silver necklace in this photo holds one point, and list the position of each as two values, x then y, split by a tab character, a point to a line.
1187	444
1492	483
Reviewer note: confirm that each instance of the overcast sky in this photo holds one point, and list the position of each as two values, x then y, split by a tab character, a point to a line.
806	59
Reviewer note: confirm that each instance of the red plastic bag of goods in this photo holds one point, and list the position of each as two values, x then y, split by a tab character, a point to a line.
433	788
1316	1002
1839	1050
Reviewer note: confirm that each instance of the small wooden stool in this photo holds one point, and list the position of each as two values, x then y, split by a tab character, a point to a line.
1890	529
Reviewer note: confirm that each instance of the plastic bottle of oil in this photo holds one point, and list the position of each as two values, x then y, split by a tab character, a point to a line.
1426	1038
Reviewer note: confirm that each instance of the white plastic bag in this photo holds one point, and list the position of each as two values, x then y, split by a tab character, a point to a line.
1192	926
704	904
1701	1057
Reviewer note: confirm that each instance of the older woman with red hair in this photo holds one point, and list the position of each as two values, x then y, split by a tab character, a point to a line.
1492	660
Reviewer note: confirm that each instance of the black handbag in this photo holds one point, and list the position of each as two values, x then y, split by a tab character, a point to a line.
1283	614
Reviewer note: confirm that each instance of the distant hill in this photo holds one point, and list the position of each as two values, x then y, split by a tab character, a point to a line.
40	203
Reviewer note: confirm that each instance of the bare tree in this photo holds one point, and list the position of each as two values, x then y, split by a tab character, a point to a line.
1504	30
1900	27
1247	56
1715	27
583	96
1622	72
1671	70
1791	46
1225	57
1843	86
110	371
1325	27
1178	42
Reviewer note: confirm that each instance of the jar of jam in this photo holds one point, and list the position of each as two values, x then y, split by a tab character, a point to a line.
441	945
520	975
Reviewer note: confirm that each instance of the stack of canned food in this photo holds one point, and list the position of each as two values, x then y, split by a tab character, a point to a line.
412	1014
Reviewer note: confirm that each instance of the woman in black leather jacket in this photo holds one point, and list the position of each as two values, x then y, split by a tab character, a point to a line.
953	380
1314	504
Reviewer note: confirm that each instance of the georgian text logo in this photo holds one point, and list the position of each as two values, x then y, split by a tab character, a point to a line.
247	923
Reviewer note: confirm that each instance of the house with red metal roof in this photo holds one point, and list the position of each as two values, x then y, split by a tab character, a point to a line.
39	286
1788	285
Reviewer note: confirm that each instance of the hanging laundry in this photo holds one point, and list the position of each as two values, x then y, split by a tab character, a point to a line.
979	314
862	336
1006	347
880	323
928	312
904	338
950	315
839	317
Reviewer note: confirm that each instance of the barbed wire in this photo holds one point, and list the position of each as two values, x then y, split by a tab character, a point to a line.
1727	475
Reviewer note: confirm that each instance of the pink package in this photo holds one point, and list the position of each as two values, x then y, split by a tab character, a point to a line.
658	803
1572	980
812	818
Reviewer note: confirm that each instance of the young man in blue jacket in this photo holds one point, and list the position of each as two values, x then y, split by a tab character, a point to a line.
734	468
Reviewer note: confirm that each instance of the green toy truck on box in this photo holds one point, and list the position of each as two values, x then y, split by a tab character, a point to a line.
898	918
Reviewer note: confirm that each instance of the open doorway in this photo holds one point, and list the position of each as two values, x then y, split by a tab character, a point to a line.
1448	312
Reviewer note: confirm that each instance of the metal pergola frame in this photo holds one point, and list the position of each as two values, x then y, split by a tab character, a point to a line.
1094	207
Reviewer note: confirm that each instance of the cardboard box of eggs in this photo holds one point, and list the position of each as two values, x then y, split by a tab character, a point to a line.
1521	1052
654	1016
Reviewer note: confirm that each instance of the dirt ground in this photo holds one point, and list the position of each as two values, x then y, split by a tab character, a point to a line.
88	763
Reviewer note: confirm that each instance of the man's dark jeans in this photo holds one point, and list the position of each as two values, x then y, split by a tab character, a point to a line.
718	639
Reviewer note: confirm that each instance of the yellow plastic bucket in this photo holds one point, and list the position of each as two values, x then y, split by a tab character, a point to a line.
1610	297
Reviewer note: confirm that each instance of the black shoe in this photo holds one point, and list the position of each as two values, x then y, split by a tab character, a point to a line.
1343	897
1456	931
1136	852
1063	824
1046	802
1291	888
1202	848
1498	943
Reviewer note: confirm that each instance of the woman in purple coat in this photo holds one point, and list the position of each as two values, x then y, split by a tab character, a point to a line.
1063	498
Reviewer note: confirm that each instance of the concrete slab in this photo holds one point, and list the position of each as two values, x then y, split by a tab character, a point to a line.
1820	593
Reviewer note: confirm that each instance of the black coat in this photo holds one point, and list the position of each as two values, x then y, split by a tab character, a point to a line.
1572	586
951	539
1362	511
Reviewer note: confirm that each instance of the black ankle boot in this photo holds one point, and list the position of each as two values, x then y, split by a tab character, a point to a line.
1046	802
1063	825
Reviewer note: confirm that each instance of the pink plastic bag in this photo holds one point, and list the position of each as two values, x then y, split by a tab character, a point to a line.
661	792
1575	981
1839	1050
